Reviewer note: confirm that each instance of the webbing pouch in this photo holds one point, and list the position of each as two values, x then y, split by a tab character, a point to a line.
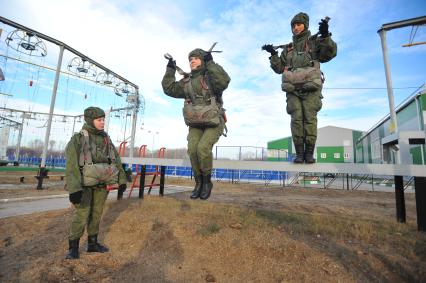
201	115
99	174
305	79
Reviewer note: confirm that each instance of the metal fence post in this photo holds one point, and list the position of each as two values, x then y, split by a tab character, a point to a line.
142	181
400	200
420	191
162	178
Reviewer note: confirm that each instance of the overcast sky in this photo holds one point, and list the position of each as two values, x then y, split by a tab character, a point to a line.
130	37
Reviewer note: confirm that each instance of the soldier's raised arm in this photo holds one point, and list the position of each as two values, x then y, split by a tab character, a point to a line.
219	79
277	62
326	47
170	86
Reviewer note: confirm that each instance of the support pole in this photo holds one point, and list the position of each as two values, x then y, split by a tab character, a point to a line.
49	121
133	133
142	181
107	118
400	199
420	190
18	145
73	126
393	128
347	181
162	178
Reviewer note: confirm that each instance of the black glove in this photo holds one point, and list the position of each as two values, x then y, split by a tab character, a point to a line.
172	64
75	198
208	57
121	190
323	28
269	48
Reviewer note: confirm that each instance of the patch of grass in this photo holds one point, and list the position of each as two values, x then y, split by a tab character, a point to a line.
341	227
209	228
185	206
295	222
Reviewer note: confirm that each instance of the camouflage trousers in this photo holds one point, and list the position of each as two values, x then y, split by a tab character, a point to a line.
200	145
303	111
88	212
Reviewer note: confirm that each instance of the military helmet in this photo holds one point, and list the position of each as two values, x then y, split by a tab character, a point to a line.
199	53
301	18
92	113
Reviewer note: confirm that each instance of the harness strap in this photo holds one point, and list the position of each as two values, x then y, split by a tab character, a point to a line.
85	153
110	150
205	87
87	149
291	50
189	90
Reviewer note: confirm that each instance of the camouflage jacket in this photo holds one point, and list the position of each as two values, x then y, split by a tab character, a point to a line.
73	151
206	81
311	48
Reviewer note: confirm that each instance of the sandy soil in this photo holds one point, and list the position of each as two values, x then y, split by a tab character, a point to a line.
243	233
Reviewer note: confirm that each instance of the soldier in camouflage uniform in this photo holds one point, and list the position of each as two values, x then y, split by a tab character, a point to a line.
207	80
89	201
303	103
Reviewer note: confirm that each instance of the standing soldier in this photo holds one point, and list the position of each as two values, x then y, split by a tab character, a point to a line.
203	113
92	164
302	79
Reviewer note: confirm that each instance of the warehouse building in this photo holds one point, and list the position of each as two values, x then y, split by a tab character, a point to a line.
407	143
379	145
334	145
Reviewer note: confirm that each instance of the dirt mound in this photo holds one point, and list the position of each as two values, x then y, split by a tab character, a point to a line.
174	239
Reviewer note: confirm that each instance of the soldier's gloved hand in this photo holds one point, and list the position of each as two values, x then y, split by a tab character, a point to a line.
121	190
172	64
208	57
323	28
75	198
269	48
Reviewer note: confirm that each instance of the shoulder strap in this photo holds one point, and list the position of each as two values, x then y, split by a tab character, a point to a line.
111	152
310	45
85	152
208	87
188	89
87	148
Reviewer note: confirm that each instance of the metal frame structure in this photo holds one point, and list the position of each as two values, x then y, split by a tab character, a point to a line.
62	47
12	123
382	32
27	115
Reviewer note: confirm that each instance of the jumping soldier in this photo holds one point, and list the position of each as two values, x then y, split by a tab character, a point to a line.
202	90
302	80
92	164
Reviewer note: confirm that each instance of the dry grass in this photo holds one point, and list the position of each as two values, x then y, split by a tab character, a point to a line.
257	235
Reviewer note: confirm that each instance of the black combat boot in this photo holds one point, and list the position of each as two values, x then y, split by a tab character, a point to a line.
207	187
73	249
94	247
197	189
299	153
309	153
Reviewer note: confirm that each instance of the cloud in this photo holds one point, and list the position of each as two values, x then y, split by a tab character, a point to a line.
130	37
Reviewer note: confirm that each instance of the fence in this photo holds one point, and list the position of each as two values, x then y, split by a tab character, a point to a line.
251	153
35	160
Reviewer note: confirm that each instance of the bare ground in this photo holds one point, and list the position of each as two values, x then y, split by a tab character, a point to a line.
243	233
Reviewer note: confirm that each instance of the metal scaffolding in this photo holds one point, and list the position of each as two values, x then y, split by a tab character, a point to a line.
62	46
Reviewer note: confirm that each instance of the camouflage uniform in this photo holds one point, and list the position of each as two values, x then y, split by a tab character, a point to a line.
213	78
302	105
88	210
